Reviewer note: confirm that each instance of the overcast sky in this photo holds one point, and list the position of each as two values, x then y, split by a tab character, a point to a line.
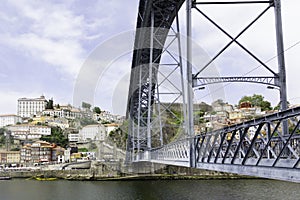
46	45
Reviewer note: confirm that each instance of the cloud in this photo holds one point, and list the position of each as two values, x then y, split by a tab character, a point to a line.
65	55
54	33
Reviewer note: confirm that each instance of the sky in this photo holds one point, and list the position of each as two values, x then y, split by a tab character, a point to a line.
54	48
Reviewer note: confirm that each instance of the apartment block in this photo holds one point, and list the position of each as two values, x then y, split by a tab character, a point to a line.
40	151
6	120
9	157
92	132
28	132
30	107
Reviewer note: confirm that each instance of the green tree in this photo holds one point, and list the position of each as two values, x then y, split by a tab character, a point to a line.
2	137
56	137
257	100
2	131
49	104
97	110
277	107
87	121
83	150
198	116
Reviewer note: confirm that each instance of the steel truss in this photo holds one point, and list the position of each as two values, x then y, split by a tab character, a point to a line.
268	80
154	37
277	79
256	148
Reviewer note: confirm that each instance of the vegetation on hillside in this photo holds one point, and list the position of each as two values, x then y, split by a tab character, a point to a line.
257	100
57	136
119	135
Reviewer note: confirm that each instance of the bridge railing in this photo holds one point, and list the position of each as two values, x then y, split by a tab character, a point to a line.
257	147
178	151
260	142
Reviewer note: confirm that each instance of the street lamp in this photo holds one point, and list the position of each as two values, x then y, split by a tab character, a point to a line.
273	88
199	88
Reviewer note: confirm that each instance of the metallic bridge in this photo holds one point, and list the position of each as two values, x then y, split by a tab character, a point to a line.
266	147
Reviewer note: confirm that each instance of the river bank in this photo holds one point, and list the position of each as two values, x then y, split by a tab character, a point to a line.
118	171
92	175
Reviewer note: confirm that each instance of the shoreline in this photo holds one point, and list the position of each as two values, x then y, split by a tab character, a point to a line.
142	171
77	175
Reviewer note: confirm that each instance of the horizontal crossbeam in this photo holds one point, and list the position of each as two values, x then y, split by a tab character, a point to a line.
268	80
230	2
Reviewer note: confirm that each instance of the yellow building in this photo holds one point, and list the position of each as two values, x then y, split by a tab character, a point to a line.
236	116
9	157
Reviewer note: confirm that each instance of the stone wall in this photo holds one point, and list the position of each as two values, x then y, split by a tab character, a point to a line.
117	171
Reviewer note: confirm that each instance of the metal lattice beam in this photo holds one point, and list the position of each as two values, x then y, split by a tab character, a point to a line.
268	80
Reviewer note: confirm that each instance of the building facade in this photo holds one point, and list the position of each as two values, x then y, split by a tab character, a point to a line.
92	132
40	151
9	157
9	120
28	132
67	112
30	107
73	137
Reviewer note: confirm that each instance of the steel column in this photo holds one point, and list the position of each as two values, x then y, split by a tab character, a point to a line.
190	118
281	62
150	84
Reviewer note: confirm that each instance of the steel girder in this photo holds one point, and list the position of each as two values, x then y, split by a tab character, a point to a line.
164	13
268	80
147	52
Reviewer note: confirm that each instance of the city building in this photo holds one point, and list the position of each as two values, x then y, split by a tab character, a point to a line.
41	151
67	112
28	132
30	107
107	116
73	137
236	116
92	132
9	157
220	106
9	120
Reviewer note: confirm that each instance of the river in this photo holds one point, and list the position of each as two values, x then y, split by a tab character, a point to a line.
21	189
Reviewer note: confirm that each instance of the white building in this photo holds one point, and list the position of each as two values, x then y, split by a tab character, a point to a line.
31	107
27	132
9	120
73	137
107	116
63	112
92	132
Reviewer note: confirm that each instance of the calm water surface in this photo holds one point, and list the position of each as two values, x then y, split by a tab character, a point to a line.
186	189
